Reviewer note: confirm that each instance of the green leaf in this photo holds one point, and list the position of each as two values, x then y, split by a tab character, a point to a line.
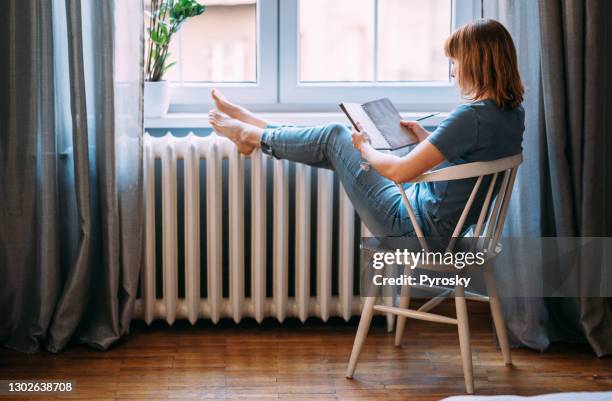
163	31
167	66
154	36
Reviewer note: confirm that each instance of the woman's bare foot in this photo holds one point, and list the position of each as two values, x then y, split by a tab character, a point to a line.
245	136
236	111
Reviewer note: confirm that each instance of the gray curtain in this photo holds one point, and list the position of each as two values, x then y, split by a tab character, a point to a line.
70	173
563	188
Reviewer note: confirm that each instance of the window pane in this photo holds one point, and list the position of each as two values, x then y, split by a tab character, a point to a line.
336	40
411	36
221	44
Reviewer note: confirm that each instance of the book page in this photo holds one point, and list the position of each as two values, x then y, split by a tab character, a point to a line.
386	118
358	115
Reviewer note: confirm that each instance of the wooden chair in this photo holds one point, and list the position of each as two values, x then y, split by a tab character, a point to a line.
490	222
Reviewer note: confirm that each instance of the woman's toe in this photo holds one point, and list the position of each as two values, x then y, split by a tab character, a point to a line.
215	116
218	97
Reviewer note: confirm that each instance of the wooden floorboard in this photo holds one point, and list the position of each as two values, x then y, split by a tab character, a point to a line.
304	362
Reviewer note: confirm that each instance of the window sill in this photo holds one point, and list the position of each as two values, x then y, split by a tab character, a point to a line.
198	120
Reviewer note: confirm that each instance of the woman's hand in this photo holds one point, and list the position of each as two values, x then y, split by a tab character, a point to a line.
398	169
360	138
416	128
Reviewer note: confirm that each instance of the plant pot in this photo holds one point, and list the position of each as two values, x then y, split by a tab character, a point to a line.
156	99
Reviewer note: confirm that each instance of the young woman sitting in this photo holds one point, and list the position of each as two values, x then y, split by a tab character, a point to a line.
488	126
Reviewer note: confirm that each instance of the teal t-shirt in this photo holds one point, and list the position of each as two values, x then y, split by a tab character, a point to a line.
478	131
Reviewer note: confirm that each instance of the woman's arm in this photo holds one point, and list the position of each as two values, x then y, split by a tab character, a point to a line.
421	159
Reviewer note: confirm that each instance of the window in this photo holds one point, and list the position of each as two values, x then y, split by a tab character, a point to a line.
219	45
336	40
310	54
412	30
234	46
373	41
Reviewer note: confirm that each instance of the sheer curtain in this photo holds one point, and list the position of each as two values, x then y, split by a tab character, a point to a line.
70	171
561	188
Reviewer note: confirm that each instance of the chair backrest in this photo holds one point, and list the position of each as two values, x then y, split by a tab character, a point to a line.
494	208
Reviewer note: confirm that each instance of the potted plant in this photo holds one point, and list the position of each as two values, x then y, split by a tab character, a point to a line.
164	20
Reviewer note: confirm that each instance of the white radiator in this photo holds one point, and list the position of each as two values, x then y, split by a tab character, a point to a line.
214	149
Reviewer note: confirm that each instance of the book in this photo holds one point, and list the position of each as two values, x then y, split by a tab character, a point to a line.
381	120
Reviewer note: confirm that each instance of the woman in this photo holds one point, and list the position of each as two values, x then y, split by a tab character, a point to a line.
490	126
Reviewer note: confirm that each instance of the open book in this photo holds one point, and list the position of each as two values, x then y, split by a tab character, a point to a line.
381	120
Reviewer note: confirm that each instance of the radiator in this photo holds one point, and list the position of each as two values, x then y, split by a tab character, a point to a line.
213	150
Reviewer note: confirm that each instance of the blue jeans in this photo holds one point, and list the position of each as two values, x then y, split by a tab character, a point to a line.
376	199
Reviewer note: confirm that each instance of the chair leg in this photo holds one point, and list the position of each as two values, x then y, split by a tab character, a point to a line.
388	300
404	303
362	332
464	339
498	317
390	316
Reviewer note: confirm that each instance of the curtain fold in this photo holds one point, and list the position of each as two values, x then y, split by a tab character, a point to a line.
573	63
70	177
561	188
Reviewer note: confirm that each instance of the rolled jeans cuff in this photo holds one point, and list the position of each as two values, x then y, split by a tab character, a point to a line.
266	139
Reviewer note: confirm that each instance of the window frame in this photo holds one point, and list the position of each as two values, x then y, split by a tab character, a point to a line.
192	96
278	87
408	96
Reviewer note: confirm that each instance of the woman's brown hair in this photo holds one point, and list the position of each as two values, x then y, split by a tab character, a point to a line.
486	63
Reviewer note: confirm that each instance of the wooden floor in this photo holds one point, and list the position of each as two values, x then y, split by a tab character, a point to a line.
296	362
